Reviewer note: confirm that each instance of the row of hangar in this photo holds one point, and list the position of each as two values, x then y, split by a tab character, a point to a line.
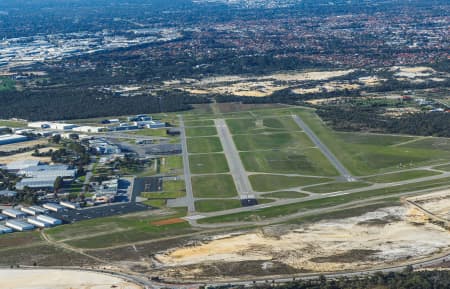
29	218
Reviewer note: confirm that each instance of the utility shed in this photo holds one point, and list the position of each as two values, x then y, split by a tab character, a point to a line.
19	225
53	207
13	213
4	229
49	220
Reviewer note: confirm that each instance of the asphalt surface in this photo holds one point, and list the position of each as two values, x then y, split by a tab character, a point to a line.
114	209
323	148
237	169
189	199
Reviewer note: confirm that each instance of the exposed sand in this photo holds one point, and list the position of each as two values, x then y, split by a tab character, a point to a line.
389	235
437	203
25	156
259	86
413	72
60	279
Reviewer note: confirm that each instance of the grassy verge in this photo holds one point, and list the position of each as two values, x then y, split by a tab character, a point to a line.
335	187
201	131
285	195
401	176
216	205
265	183
204	145
208	163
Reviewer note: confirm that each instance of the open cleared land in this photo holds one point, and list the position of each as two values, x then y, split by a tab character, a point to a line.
214	186
208	163
265	183
266	141
61	279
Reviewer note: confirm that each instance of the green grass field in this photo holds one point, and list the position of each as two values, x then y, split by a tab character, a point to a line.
201	131
170	190
216	205
149	132
252	125
204	145
443	168
203	122
293	140
401	176
336	187
304	162
171	164
214	186
285	195
365	154
208	163
12	123
266	183
7	84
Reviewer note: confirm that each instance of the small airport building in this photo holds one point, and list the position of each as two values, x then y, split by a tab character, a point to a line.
53	207
19	225
49	220
38	223
12	213
12	138
5	230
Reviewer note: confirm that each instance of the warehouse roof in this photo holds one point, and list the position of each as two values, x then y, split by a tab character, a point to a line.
19	165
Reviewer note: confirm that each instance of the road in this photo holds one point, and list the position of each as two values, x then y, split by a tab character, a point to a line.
323	148
189	200
237	169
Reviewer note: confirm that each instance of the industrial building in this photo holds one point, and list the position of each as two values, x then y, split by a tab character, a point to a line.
5	230
49	220
12	138
20	165
102	146
8	194
29	211
89	129
37	223
44	171
37	183
39	209
68	205
12	213
149	124
19	225
52	125
53	207
3	217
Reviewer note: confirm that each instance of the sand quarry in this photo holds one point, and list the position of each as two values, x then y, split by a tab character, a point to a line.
60	279
384	236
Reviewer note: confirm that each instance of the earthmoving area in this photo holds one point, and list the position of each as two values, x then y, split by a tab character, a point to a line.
329	245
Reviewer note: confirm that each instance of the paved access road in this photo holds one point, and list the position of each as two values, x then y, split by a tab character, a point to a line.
323	148
190	201
237	169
